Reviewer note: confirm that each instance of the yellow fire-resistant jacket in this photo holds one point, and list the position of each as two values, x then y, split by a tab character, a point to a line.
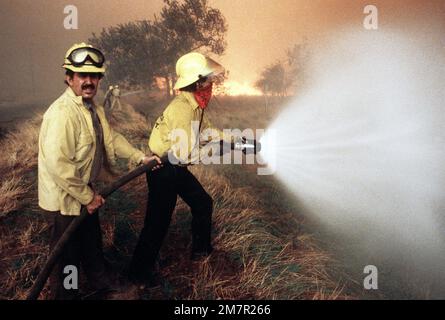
67	144
181	113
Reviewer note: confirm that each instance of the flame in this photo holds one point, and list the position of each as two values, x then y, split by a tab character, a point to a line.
235	88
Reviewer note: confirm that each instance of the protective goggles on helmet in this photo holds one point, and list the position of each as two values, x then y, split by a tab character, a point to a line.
80	56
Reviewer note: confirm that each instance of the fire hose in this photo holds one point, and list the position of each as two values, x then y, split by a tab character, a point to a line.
247	146
74	225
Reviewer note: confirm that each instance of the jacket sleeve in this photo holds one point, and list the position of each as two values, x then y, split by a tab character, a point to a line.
214	132
58	148
181	139
123	149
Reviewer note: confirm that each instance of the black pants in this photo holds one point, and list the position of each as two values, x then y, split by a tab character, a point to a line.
164	185
85	247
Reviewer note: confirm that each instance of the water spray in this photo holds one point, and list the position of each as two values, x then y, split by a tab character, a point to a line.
362	147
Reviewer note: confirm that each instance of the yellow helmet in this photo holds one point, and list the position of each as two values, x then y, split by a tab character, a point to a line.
82	57
192	66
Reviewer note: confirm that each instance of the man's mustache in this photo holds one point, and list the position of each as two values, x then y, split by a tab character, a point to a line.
88	86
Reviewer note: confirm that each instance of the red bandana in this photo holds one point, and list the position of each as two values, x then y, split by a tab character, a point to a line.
203	96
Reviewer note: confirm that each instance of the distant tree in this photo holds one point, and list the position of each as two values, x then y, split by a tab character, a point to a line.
273	79
297	57
129	49
138	52
284	75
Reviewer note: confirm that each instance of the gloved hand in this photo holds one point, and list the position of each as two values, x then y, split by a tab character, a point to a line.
147	159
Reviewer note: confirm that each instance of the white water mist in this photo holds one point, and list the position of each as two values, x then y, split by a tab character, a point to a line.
363	146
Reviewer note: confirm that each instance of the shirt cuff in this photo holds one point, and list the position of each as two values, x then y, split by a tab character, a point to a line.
89	196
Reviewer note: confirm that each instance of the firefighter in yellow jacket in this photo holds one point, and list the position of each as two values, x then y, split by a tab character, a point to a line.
74	144
194	82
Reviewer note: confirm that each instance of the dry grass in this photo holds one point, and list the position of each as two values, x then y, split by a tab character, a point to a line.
24	247
20	146
260	251
271	260
11	190
129	122
18	157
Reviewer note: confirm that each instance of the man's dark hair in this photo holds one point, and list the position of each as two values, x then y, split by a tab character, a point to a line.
193	87
70	74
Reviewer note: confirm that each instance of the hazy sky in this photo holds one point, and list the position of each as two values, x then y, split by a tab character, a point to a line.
33	39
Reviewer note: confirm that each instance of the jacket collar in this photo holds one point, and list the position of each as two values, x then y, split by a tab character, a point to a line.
190	99
76	99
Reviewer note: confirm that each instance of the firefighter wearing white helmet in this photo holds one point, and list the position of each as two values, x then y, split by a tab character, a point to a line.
195	73
193	66
75	144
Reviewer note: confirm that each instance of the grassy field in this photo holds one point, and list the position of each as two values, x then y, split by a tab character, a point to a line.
264	249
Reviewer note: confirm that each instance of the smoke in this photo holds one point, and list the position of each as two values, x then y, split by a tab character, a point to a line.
363	147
